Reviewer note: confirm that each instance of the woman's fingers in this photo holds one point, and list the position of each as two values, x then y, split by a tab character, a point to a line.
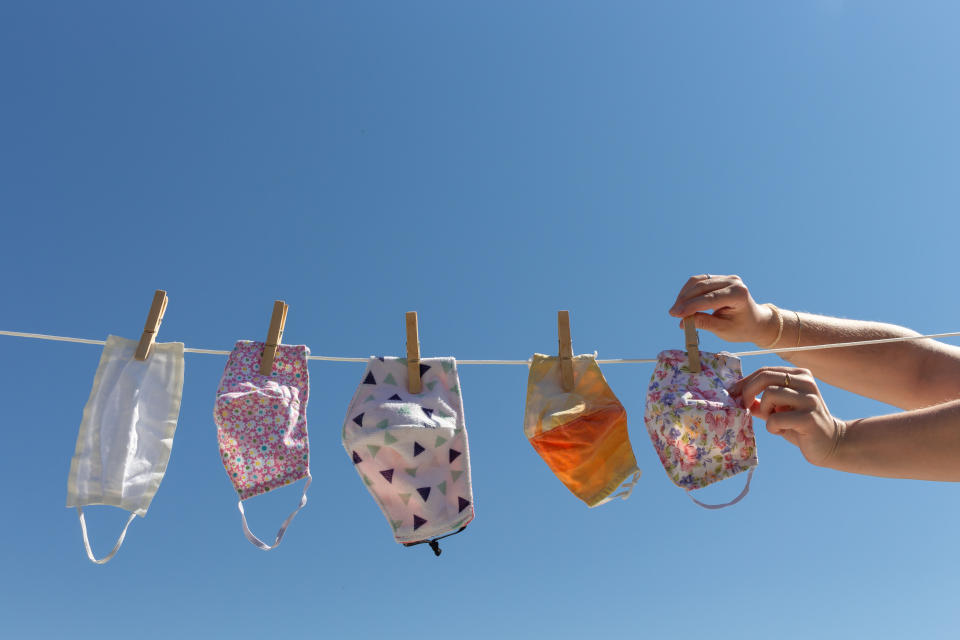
729	296
783	425
698	284
705	322
813	432
792	407
754	384
726	306
713	293
779	399
780	424
692	282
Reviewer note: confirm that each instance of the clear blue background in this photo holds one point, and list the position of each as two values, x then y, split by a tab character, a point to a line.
485	164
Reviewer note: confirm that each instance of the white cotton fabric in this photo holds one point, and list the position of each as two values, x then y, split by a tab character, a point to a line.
127	429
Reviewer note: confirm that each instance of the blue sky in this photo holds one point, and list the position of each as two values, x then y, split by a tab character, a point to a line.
485	164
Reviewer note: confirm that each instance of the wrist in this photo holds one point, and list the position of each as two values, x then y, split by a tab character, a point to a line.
832	459
769	326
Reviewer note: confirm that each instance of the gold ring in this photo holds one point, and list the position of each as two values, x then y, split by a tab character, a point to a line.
786	381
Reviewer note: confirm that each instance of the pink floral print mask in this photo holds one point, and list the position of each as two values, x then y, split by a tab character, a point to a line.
700	432
262	425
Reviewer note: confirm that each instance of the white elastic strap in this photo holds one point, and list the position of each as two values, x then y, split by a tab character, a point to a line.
743	494
257	542
116	547
625	489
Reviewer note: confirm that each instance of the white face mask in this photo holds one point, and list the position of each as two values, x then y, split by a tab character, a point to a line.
127	431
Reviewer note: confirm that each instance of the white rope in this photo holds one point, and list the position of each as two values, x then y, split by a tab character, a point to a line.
858	343
760	352
41	336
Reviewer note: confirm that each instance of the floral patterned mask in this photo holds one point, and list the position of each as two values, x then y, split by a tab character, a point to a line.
262	425
700	432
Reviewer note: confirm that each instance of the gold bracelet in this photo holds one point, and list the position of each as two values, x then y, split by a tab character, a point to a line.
799	327
776	312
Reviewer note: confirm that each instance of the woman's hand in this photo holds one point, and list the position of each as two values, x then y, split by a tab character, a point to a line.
735	318
792	407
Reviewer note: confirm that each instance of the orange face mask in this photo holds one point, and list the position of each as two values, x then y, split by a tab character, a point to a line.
580	434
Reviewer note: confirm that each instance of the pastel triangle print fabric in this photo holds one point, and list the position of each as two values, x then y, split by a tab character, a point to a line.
411	450
701	434
580	434
262	424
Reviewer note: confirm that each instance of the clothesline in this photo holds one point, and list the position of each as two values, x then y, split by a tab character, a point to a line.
759	352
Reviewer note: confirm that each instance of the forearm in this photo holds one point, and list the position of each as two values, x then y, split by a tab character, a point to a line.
909	375
923	444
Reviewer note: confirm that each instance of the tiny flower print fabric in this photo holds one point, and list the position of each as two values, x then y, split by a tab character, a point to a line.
580	434
262	424
700	432
411	450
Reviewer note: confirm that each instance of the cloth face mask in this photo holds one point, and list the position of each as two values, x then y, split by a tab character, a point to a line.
700	432
581	434
411	449
262	425
127	431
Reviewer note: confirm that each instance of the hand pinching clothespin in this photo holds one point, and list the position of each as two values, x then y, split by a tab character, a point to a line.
693	344
154	318
566	350
414	384
274	337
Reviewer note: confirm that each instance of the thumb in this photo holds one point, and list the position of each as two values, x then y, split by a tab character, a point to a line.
778	426
707	322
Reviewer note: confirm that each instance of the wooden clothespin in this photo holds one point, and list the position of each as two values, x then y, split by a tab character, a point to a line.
154	318
566	350
274	337
414	384
693	344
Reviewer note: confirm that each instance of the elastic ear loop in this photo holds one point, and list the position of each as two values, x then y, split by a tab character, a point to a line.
257	542
626	488
116	547
743	494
